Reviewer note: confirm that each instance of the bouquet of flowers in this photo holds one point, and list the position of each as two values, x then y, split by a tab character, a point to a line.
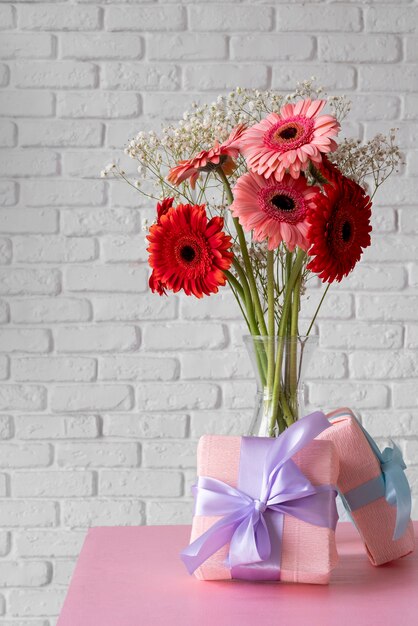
254	191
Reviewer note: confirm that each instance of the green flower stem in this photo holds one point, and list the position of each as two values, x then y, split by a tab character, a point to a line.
245	256
294	333
270	301
317	310
238	295
277	395
250	276
247	297
235	283
262	362
289	264
252	322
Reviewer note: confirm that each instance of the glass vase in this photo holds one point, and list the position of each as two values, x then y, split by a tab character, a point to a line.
280	365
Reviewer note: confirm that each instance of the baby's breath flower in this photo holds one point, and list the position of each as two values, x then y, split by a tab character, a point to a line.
144	224
108	168
373	161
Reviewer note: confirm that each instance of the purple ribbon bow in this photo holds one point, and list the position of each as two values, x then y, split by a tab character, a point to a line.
253	513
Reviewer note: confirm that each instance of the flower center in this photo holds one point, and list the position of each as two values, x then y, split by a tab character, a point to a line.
283	202
346	231
211	167
192	254
342	231
290	133
187	253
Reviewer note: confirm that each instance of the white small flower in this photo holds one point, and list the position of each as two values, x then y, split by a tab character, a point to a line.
108	168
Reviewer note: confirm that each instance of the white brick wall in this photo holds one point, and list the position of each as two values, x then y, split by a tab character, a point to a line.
104	388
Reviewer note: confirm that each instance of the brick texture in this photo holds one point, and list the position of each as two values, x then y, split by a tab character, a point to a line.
104	387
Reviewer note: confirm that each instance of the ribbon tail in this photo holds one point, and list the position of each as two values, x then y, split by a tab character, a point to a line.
251	542
269	568
212	540
399	494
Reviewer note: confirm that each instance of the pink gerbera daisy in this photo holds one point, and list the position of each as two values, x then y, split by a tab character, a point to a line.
274	210
290	140
221	155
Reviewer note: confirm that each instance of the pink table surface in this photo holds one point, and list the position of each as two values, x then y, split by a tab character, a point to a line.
132	576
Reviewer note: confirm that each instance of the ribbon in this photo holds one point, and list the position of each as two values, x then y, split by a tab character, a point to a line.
247	518
391	484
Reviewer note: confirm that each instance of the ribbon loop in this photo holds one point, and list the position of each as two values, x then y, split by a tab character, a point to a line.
284	490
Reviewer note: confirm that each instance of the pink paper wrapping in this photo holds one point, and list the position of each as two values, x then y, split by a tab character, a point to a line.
308	552
375	521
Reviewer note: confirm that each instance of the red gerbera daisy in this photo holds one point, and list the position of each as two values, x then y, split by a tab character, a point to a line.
156	285
289	141
339	229
329	170
188	251
163	206
221	155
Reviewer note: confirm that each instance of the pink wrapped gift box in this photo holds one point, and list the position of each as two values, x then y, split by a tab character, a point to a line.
308	552
358	464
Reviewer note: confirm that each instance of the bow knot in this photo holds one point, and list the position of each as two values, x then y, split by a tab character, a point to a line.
391	458
260	506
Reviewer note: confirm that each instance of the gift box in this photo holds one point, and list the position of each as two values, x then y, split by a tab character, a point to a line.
374	488
295	514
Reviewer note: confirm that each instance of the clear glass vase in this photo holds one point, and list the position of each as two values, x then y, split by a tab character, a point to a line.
279	365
